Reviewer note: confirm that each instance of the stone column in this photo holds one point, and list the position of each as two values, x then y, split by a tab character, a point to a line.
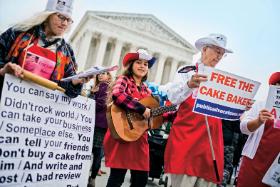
83	50
160	68
174	65
116	55
101	50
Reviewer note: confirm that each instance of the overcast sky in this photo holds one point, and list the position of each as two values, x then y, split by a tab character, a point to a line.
252	26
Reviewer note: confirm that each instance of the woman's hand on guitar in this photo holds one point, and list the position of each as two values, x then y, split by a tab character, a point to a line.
195	80
13	69
147	113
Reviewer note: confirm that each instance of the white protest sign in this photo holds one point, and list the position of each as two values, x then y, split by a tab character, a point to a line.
273	103
224	95
45	136
272	176
90	72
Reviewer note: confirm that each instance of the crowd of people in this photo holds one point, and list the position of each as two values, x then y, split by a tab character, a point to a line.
37	45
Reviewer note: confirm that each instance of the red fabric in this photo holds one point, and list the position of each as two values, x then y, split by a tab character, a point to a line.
188	149
127	155
253	170
38	60
130	57
43	52
274	78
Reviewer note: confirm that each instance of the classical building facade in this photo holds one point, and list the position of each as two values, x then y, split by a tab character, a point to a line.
103	38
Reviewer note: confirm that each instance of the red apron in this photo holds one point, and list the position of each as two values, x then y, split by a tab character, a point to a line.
38	60
253	170
188	149
127	155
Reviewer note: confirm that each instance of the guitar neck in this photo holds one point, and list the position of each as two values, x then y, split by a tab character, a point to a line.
160	110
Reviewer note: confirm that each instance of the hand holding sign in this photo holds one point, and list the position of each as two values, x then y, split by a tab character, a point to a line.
196	80
264	115
13	69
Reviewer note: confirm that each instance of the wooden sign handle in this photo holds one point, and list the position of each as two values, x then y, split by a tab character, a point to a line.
41	81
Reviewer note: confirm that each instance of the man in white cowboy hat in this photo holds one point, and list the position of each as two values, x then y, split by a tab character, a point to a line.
188	154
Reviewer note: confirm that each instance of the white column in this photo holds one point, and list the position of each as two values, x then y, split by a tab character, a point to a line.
174	65
116	55
83	50
101	50
160	67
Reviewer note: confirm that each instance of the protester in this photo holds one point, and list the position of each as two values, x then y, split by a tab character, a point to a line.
188	155
129	88
99	94
37	45
262	146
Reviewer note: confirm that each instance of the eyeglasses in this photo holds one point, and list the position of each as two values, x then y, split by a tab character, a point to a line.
63	19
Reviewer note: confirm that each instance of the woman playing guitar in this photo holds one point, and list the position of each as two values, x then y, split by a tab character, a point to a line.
127	91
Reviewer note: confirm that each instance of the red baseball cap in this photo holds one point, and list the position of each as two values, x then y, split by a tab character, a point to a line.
274	78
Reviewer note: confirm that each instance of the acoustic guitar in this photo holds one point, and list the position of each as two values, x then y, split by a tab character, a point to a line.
129	126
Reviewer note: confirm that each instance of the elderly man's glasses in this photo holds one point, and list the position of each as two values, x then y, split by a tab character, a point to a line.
63	19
